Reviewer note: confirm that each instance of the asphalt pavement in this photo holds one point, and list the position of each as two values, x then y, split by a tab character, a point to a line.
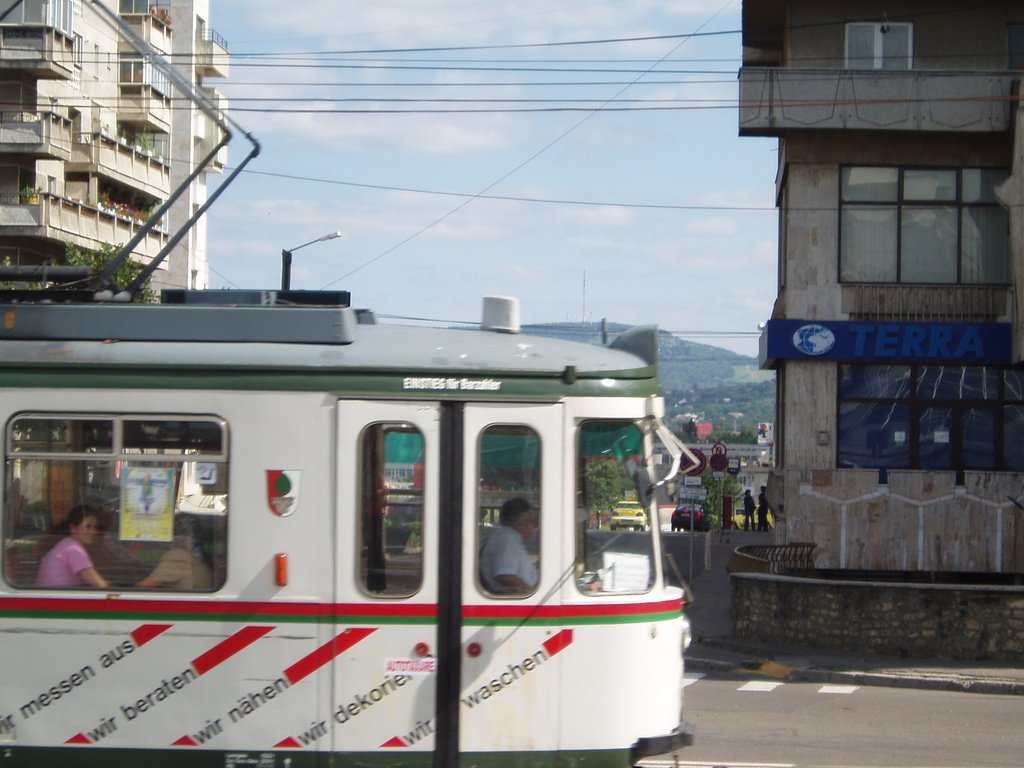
715	647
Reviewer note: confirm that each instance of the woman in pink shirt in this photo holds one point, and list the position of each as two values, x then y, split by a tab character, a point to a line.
68	564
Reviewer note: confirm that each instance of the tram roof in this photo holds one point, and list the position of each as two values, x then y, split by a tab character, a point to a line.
279	337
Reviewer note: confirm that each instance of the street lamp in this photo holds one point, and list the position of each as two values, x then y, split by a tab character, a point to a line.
286	259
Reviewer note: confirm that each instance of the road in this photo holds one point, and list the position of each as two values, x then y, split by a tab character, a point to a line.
752	722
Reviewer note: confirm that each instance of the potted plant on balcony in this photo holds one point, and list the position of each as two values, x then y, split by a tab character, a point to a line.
29	195
161	14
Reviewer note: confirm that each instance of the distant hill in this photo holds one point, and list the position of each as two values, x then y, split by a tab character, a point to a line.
713	382
682	364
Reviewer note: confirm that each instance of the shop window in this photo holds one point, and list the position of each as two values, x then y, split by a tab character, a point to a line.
391	510
937	226
116	502
610	557
942	418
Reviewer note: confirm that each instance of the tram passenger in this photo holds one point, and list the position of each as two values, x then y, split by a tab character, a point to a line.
505	564
184	566
68	564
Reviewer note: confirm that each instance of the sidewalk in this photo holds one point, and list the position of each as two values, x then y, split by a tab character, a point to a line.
714	647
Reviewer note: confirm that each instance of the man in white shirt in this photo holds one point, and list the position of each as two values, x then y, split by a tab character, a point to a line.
505	566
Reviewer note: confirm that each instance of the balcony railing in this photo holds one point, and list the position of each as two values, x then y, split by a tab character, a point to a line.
60	218
39	51
212	55
126	164
39	135
776	99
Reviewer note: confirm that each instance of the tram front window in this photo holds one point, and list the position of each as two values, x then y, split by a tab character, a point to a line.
608	558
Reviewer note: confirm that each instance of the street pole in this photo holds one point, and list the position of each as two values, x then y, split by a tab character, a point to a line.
286	259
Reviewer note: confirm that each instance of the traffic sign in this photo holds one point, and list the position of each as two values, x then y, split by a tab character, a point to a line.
693	494
702	462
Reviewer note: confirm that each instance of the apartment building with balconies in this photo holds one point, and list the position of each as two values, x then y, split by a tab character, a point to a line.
897	330
94	134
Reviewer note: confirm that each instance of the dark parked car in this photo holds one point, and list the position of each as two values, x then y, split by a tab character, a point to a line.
688	517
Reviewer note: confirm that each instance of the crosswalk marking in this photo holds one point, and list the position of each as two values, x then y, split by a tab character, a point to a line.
689	678
764	686
767	686
837	689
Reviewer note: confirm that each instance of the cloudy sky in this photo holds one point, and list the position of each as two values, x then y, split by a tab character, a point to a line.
580	155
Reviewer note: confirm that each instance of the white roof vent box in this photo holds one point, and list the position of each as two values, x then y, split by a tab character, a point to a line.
501	313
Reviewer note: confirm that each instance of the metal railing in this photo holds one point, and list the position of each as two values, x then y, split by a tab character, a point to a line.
778	559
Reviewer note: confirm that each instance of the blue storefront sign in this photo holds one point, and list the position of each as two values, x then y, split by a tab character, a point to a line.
852	341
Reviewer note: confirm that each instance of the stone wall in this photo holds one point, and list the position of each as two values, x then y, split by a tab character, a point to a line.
900	620
917	521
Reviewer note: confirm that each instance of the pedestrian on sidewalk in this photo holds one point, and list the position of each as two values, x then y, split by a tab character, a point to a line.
762	510
748	510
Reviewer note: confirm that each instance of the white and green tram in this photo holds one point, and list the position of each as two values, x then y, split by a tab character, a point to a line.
287	505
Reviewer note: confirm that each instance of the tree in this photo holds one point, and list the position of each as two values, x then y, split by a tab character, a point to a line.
603	485
97	261
727	486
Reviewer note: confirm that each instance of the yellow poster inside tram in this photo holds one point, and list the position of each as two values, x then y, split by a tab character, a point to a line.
147	504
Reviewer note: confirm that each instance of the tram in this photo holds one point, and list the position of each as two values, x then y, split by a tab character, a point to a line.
287	504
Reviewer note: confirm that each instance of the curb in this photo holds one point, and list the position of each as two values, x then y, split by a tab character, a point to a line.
875	679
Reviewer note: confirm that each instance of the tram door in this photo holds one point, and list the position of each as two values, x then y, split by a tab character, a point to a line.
436	654
388	547
512	574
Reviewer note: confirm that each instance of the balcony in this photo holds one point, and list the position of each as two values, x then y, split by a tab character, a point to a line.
208	133
212	55
774	100
118	161
35	135
59	218
153	26
40	52
143	104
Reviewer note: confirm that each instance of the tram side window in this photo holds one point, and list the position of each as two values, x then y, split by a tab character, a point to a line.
120	502
391	510
508	502
611	555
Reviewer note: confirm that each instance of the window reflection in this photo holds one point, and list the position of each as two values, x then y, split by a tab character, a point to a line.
610	559
508	500
391	509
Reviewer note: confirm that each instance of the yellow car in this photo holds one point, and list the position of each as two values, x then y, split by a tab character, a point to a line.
629	516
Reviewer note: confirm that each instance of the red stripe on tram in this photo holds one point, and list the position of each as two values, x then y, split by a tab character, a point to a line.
224	650
325	653
558	643
602	610
147	632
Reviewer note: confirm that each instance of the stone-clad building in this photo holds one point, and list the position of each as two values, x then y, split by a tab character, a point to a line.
898	330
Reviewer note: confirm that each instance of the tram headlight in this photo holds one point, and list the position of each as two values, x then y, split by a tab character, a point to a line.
687	634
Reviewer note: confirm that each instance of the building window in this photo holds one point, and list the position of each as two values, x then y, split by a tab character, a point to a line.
930	417
923	225
1015	46
880	45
